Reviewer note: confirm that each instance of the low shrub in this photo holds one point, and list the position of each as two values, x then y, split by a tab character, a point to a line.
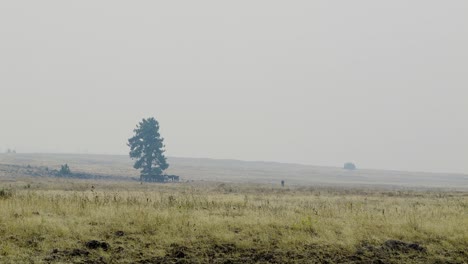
5	193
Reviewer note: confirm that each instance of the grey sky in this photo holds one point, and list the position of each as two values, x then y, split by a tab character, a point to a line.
380	83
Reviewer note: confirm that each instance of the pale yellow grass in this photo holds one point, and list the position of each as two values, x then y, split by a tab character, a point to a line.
34	221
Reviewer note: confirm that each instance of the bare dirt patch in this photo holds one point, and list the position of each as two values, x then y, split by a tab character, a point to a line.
94	244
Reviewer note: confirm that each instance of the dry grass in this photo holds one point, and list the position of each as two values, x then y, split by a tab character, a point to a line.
236	171
199	223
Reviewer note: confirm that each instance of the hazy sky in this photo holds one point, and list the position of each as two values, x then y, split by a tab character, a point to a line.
380	83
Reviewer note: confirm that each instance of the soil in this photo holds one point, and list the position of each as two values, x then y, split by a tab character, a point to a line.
391	251
94	244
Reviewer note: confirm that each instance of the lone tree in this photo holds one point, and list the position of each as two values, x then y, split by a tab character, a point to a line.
147	148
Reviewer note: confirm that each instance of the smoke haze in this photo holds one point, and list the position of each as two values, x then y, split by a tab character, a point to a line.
381	84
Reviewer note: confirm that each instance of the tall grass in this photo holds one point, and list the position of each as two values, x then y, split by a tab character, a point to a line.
153	217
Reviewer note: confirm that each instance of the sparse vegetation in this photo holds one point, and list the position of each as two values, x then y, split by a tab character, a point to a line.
98	215
214	223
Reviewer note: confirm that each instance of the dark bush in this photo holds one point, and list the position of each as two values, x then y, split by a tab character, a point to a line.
349	166
5	193
64	170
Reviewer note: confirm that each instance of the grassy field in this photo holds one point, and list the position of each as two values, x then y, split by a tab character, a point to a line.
57	220
227	223
235	171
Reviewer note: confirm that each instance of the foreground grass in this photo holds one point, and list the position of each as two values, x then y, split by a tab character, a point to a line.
186	223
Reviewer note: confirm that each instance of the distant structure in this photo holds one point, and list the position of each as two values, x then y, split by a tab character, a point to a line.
349	166
172	178
11	151
161	178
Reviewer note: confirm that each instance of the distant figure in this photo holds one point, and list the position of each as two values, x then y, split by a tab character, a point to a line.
349	166
282	183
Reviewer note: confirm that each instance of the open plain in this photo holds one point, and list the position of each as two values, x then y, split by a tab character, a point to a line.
214	217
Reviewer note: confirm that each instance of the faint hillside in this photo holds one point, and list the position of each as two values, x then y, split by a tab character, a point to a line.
242	171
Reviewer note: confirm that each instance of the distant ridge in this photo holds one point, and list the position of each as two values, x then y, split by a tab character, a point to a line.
233	170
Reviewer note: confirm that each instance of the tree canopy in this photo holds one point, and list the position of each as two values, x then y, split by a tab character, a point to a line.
349	166
147	149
